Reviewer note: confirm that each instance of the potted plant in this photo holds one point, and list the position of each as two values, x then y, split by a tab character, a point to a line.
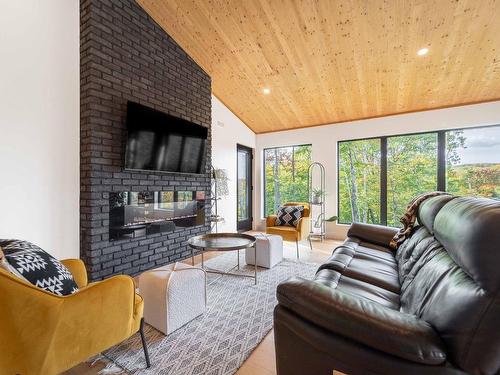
317	196
221	180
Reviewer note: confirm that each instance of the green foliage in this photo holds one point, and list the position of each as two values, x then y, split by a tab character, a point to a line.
478	180
411	171
481	179
286	176
318	193
359	181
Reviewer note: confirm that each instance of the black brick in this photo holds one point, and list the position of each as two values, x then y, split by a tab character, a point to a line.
125	56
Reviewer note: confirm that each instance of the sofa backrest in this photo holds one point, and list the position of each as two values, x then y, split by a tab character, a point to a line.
450	275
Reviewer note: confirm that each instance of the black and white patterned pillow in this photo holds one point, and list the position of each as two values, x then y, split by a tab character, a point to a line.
289	215
38	267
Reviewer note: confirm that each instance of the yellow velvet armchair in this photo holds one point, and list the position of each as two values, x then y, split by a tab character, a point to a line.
42	333
290	233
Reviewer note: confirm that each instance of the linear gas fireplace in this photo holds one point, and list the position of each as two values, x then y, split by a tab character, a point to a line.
137	214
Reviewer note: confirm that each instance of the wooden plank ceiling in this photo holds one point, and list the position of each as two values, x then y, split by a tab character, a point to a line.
330	61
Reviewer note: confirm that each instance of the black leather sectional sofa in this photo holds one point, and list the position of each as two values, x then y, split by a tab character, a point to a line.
432	307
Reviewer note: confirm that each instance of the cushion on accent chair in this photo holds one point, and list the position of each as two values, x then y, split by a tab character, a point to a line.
3	261
289	215
32	264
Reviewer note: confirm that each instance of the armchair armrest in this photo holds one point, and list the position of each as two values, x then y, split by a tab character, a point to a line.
109	309
376	234
78	270
271	221
369	323
303	227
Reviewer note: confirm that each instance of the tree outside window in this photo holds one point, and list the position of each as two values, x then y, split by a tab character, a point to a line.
473	162
359	181
412	168
285	176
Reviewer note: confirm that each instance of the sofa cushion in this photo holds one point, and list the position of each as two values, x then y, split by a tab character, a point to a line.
31	263
469	229
357	288
451	280
289	215
429	209
409	252
365	264
446	297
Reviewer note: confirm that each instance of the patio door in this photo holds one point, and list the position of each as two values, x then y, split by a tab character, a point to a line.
244	188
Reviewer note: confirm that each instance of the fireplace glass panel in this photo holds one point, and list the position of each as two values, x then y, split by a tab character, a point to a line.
137	214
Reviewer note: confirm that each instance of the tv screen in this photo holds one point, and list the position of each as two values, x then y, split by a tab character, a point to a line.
160	142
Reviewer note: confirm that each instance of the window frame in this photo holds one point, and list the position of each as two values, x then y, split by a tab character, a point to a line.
264	207
441	163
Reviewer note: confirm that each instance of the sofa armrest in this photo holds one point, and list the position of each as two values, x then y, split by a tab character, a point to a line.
78	270
368	323
375	234
271	221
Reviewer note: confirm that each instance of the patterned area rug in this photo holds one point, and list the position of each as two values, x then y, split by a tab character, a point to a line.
239	315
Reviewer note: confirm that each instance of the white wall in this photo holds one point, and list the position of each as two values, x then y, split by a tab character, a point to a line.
39	124
324	144
228	131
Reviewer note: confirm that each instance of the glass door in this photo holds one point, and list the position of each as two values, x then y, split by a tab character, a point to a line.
244	188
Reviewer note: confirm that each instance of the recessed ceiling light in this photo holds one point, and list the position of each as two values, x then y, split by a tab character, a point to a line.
423	51
266	91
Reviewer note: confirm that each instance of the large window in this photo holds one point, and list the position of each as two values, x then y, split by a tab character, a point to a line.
379	176
285	176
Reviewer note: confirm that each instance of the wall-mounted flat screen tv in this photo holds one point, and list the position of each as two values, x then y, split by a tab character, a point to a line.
160	142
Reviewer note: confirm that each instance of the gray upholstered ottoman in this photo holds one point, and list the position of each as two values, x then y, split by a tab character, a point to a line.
269	249
173	295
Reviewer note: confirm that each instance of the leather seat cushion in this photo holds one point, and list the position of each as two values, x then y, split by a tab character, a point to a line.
414	248
365	264
358	288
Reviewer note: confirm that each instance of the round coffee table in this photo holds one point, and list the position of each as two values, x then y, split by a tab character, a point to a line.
222	242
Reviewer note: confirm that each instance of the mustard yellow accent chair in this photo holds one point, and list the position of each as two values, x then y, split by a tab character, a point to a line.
44	334
289	233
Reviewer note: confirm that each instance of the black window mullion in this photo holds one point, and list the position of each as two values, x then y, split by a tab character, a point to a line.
383	180
441	172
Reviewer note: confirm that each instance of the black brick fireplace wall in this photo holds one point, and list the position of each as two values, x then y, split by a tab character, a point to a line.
125	55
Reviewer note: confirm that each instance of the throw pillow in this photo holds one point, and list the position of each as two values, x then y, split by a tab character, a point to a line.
289	215
3	261
38	267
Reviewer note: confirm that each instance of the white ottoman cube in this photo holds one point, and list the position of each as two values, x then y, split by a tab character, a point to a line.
173	295
269	250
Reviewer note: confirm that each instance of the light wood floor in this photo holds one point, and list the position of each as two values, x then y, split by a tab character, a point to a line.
262	360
